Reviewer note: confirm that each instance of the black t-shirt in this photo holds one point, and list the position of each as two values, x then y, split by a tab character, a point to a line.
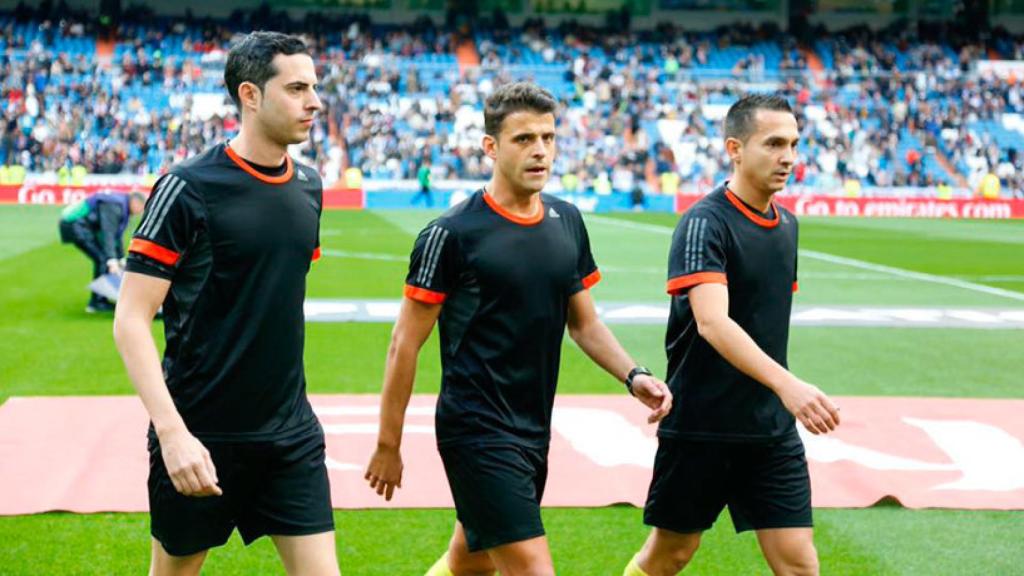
236	244
722	240
505	284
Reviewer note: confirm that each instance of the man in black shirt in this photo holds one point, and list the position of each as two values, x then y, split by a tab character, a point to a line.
731	439
225	245
502	273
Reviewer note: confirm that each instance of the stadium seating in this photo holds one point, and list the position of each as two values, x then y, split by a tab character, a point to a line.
885	105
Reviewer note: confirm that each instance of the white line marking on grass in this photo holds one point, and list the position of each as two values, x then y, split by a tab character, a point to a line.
386	311
853	263
656	228
1003	278
634	269
865	276
395	258
923	277
365	255
876	276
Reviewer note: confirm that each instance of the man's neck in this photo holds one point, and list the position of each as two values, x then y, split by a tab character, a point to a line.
520	203
257	149
757	199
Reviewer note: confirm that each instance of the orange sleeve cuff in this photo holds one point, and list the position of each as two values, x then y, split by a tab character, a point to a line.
681	283
591	279
316	254
423	295
155	251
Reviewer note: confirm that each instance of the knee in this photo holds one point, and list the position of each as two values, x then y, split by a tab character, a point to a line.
799	562
811	567
176	566
670	556
463	563
808	567
680	555
539	570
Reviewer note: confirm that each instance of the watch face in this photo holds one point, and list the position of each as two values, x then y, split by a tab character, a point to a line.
637	371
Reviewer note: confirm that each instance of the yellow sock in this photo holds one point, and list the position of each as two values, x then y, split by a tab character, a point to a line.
440	568
633	569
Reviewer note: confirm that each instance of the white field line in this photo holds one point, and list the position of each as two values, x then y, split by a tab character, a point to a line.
934	279
365	255
851	262
874	276
996	278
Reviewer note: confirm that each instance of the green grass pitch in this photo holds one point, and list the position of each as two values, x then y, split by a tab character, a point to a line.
48	346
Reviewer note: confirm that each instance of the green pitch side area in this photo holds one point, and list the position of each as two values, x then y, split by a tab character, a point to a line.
49	346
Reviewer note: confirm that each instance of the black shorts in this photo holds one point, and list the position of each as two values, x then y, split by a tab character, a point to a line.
269	488
765	485
497	491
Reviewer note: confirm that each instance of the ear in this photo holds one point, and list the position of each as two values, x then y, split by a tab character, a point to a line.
734	148
249	96
490	146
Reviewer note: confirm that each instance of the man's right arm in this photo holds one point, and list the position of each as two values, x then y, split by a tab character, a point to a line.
415	322
710	304
187	461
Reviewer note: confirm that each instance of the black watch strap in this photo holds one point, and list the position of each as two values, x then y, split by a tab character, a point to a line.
637	370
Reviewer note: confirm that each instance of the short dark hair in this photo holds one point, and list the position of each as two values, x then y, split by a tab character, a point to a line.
515	97
741	118
251	59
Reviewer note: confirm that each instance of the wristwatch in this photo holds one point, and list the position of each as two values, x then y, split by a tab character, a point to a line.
634	373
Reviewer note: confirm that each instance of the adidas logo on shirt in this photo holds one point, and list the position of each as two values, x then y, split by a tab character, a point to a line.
552	213
302	176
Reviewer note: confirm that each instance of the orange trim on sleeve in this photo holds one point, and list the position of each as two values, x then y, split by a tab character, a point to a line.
424	295
591	279
796	287
680	283
241	162
750	214
528	221
316	254
155	251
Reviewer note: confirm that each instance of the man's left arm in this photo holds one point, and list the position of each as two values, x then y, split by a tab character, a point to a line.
598	342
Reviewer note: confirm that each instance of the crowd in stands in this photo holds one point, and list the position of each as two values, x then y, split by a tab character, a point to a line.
885	108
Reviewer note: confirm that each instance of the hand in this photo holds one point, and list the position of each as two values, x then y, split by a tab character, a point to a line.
654	394
189	465
385	471
810	406
113	266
